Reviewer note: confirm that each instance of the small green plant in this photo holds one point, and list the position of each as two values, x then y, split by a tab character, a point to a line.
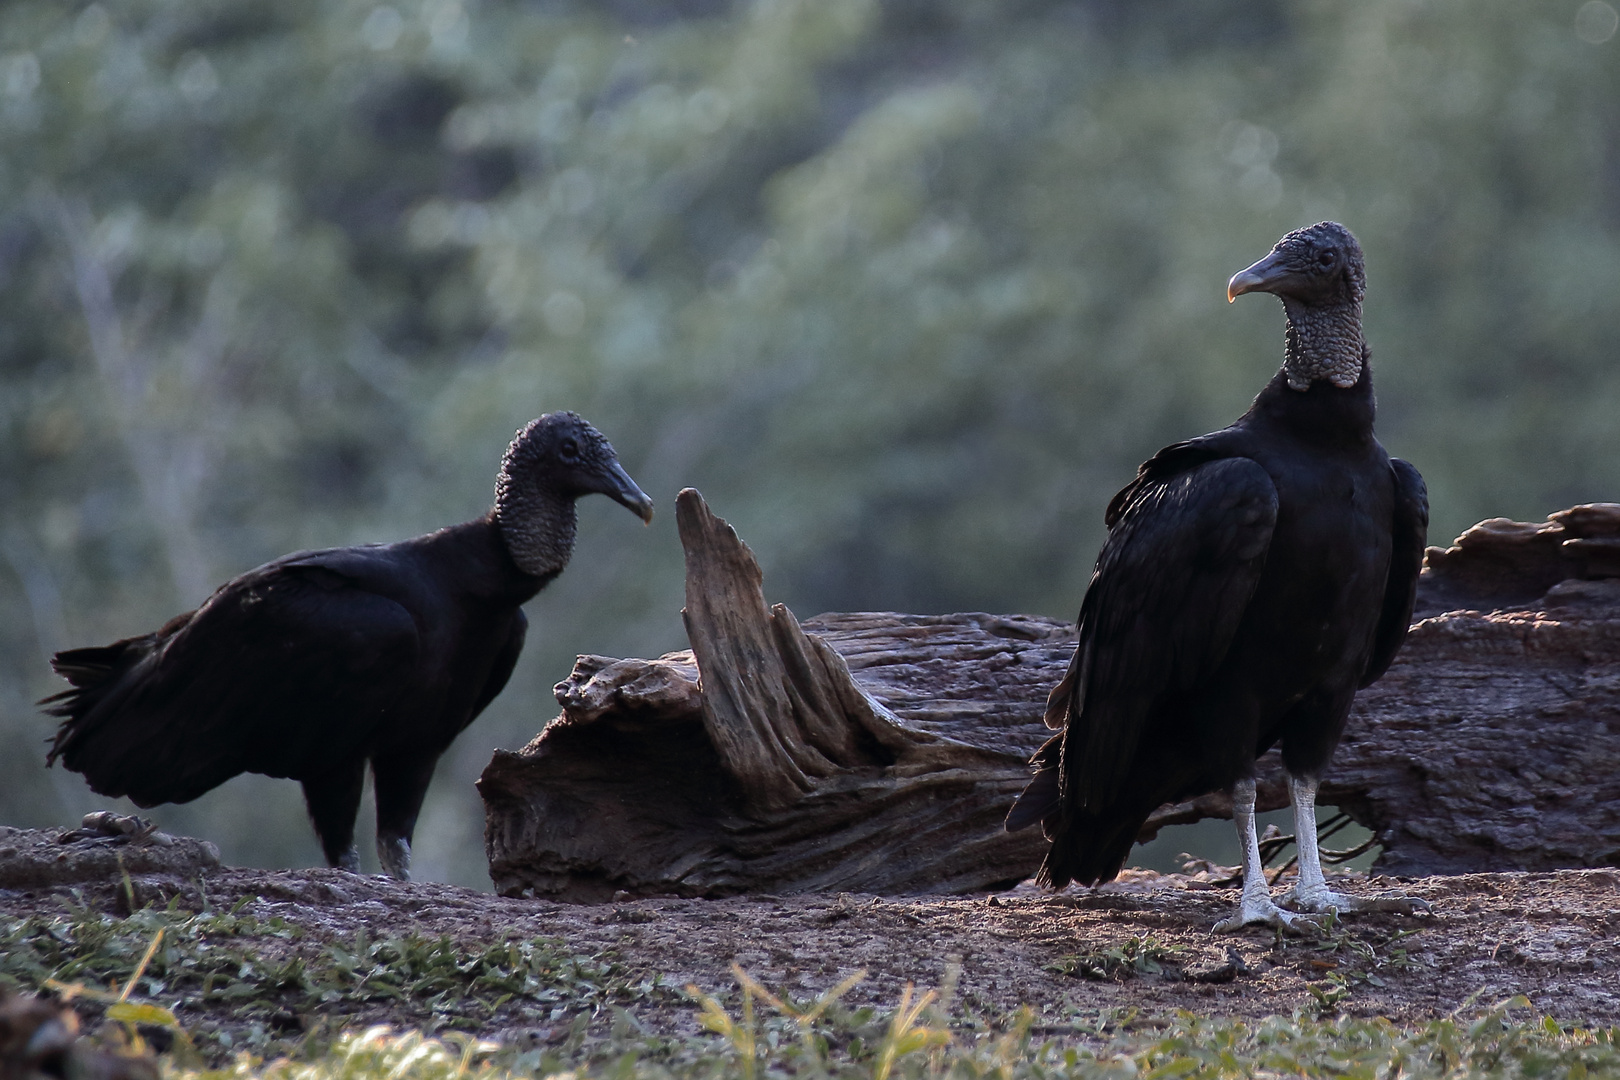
1354	958
131	1014
1492	1043
1122	960
822	1039
259	982
743	1035
1328	992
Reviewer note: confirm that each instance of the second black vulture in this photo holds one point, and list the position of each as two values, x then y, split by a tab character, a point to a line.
1252	581
320	662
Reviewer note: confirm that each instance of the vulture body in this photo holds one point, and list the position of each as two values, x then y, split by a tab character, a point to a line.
320	662
1252	581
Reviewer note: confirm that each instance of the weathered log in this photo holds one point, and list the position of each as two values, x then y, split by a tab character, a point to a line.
878	752
778	771
1493	743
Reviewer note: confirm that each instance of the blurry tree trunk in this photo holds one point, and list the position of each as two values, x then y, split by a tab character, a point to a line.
879	752
39	590
170	465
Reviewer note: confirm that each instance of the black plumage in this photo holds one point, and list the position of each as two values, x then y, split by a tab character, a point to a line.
1252	580
320	662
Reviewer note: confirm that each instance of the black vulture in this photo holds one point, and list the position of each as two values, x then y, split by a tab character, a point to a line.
1252	581
319	662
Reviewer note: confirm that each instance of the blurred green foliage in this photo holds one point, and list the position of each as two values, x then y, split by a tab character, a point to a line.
906	287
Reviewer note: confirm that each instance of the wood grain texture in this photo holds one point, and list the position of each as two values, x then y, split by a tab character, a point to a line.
879	752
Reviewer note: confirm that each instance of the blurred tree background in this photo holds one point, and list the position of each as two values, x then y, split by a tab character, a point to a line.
906	287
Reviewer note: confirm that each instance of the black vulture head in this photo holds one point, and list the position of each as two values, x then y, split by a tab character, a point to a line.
1319	275
1320	267
563	453
554	460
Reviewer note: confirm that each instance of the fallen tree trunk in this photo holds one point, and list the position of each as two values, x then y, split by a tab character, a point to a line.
778	770
879	752
1493	742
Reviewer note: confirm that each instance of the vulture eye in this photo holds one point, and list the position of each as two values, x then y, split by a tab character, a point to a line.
1327	257
568	450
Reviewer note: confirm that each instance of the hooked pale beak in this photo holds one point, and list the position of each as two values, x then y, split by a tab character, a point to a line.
1263	276
623	490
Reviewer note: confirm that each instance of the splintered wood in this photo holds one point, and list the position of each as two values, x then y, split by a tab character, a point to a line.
774	771
878	752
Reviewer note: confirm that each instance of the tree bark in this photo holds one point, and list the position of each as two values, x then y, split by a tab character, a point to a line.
1493	743
879	752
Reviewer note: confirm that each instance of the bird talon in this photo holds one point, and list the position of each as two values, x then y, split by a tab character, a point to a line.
394	853
1267	913
1321	904
1402	905
1339	904
1298	925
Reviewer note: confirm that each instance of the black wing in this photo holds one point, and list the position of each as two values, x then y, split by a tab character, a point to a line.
1183	557
1169	462
1171	586
284	671
501	670
1410	529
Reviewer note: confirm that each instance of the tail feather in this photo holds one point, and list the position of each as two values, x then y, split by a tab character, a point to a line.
1086	847
93	665
1039	801
1059	698
1090	850
96	673
124	729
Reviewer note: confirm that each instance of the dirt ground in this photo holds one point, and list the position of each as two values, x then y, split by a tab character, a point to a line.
1141	943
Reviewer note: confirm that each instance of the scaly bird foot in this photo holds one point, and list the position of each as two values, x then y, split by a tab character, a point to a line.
350	860
1322	900
1258	911
394	852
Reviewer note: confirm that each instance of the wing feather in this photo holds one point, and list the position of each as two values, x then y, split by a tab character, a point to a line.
501	670
1410	531
1186	546
282	671
1170	588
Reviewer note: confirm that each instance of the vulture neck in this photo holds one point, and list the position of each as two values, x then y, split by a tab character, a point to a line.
1323	392
537	525
1323	342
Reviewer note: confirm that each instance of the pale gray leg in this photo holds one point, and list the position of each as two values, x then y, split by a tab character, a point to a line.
394	852
350	860
1310	891
1256	907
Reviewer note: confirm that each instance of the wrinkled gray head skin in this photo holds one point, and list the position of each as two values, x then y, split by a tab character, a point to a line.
1319	275
554	460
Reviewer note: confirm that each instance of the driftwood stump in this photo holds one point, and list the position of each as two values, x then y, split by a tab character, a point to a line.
879	752
776	770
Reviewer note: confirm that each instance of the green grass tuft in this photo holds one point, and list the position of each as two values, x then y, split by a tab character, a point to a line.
1493	1044
177	973
245	982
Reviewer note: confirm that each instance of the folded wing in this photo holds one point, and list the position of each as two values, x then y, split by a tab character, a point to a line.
284	671
1185	550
